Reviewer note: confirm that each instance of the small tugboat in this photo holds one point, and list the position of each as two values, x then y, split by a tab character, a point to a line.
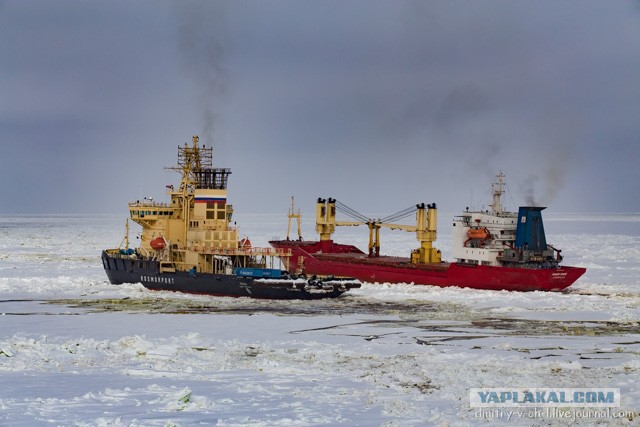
189	245
494	249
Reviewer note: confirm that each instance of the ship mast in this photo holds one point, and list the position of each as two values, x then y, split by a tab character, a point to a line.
191	161
297	217
497	190
125	239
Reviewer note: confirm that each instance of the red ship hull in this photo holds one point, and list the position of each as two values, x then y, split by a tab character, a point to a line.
328	258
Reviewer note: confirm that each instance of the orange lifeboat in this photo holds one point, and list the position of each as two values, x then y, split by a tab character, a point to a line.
158	243
478	233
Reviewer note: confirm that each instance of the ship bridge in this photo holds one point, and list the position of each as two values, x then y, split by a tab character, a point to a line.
150	210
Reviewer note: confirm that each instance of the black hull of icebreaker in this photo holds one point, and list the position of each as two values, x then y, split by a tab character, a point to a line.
129	270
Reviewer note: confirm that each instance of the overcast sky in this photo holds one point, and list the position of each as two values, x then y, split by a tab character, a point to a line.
380	104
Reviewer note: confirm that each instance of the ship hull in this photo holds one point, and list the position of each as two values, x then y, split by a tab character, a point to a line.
347	260
121	270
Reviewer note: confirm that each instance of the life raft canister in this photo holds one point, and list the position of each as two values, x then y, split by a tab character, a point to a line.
245	243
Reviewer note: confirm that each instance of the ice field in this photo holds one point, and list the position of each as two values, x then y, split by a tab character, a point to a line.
75	350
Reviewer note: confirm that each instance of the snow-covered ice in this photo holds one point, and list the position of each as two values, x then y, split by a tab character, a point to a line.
75	350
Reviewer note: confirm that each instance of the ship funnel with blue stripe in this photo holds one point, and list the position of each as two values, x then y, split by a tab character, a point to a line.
530	231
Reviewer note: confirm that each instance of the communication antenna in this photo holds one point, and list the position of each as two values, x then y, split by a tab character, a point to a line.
498	191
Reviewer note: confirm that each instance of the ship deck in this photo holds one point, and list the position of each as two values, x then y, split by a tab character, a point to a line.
380	261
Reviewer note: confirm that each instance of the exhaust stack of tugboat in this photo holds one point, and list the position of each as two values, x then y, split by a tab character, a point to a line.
493	249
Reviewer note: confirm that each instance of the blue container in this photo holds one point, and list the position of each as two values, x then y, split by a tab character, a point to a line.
257	272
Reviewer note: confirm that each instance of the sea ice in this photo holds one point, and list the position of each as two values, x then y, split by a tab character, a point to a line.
75	350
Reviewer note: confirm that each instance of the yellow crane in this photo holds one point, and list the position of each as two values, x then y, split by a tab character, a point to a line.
425	228
293	215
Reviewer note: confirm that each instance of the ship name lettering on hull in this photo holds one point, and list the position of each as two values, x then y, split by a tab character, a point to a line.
154	279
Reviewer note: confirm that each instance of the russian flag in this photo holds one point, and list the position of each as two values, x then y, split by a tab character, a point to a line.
210	199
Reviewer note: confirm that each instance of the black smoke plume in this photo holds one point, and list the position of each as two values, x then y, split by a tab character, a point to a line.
200	29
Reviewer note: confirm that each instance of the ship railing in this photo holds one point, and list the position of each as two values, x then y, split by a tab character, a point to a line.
122	253
149	204
211	225
270	252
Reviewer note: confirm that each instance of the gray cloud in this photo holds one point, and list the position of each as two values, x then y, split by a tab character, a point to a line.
420	101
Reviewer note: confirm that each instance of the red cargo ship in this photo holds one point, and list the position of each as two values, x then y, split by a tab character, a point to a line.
493	249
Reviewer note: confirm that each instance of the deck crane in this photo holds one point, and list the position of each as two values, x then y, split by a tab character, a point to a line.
425	227
294	215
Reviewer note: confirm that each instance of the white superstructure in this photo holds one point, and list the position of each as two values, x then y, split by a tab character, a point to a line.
480	237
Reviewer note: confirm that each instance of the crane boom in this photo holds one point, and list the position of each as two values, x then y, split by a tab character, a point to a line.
425	228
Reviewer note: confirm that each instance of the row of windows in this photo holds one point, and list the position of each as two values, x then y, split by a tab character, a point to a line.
216	205
143	213
219	214
467	221
474	262
196	224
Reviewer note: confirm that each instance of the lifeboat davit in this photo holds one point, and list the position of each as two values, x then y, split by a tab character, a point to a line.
478	233
158	243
